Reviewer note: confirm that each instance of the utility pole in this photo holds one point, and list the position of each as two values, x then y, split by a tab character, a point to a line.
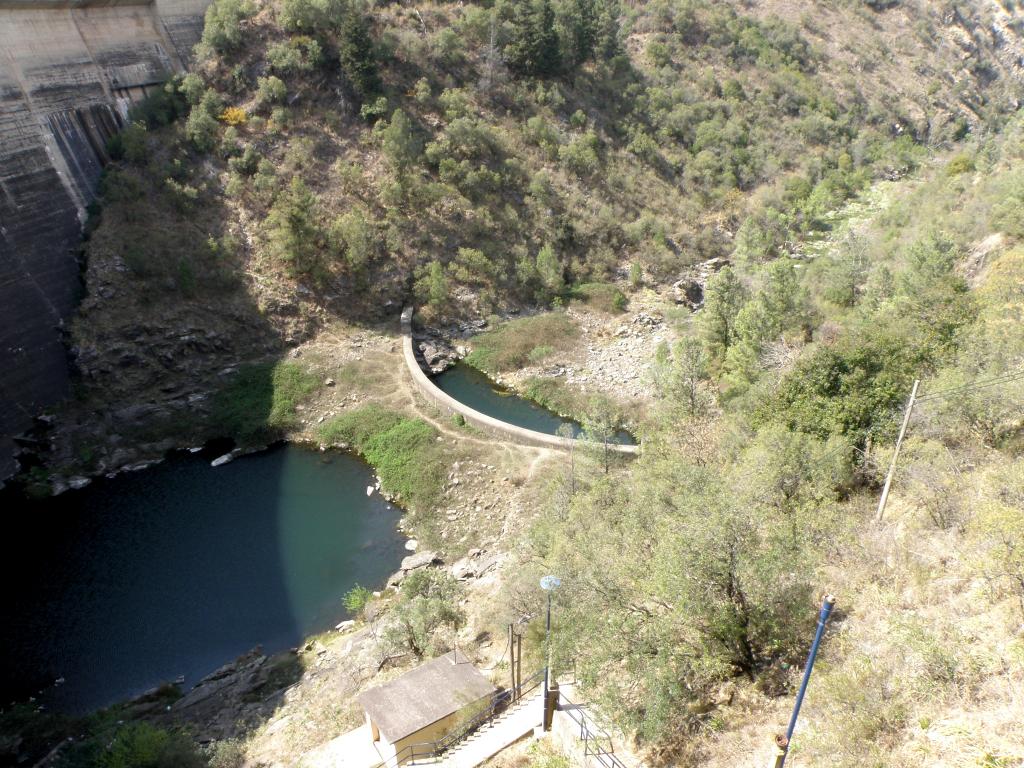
896	453
512	659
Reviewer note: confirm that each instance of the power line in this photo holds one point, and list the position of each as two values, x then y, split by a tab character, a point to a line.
995	381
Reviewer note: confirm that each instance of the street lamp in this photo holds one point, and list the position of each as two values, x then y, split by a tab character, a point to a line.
549	584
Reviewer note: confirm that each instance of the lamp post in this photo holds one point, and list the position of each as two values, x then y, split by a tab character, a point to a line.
549	584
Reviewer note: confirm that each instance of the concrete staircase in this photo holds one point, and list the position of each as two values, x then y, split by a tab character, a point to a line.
517	721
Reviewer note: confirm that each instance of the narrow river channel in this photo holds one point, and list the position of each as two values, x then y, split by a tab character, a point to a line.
177	569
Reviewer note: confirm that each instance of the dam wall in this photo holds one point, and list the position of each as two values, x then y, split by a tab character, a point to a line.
69	70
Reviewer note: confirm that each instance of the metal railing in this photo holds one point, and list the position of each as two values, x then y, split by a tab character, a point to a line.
495	706
596	741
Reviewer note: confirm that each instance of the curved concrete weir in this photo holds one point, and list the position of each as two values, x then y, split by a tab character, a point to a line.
500	429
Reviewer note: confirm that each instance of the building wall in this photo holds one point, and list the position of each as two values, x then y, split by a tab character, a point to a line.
433	732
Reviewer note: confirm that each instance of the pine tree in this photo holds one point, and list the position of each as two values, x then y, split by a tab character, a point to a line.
580	30
355	53
723	298
402	145
533	49
606	36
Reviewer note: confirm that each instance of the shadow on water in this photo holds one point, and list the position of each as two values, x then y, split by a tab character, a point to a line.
178	569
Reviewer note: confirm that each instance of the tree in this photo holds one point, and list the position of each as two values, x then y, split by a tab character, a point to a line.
533	48
723	298
403	145
432	287
356	55
293	232
689	370
607	44
550	272
427	604
601	423
579	30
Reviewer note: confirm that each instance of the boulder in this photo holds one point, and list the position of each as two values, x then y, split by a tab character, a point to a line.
414	563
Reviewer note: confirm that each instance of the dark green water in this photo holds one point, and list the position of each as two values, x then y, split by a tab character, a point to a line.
178	569
468	385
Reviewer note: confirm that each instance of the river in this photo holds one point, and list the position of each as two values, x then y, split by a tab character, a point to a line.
179	568
470	386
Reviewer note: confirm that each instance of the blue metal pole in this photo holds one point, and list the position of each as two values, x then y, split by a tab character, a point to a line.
823	616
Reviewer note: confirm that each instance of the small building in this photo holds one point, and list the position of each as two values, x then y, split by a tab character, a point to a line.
424	705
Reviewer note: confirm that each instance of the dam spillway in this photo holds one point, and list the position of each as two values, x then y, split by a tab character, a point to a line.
69	69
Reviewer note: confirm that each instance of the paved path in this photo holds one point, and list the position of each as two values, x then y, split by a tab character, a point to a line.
352	750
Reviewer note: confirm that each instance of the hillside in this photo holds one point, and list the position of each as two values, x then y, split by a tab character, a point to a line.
332	162
775	217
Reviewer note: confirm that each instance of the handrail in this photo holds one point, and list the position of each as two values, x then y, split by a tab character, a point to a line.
591	738
498	702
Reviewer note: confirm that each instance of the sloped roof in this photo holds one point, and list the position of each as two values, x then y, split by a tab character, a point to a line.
424	695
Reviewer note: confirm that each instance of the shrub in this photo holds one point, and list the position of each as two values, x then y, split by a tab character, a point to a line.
222	31
581	154
270	90
297	54
603	297
313	15
233	116
202	129
960	164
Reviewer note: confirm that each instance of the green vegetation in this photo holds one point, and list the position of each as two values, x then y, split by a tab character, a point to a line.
425	616
702	561
258	404
603	297
511	345
488	157
403	450
356	599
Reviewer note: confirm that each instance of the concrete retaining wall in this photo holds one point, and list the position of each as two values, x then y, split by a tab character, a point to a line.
499	429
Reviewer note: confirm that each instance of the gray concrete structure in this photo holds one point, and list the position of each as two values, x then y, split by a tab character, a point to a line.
500	429
68	71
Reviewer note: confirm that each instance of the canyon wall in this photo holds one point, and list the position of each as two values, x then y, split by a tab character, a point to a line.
69	70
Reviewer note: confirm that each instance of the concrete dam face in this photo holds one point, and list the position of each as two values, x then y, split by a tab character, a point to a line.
69	69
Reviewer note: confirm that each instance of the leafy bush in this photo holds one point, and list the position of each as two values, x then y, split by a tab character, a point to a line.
356	599
222	31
